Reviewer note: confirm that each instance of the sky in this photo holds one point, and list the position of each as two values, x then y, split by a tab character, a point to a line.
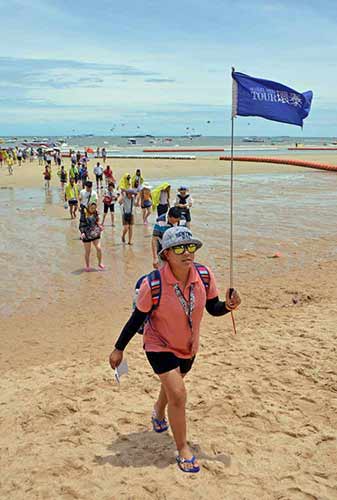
149	67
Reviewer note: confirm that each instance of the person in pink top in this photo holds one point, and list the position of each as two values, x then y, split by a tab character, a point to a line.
171	332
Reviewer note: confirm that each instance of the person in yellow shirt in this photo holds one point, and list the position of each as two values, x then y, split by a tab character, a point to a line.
10	163
71	195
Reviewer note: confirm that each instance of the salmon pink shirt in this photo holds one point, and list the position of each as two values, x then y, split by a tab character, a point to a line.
168	329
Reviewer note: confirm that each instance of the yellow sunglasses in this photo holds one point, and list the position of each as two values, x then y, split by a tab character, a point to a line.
180	249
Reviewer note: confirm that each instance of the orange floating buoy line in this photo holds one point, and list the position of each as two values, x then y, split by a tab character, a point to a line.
283	161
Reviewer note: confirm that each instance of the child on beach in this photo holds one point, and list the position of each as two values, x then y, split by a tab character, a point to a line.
109	198
184	203
126	200
146	202
91	230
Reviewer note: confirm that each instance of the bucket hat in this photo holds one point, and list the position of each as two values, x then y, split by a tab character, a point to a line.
178	235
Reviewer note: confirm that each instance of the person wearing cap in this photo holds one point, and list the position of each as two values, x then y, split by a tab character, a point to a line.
87	195
171	335
145	202
127	202
184	203
162	224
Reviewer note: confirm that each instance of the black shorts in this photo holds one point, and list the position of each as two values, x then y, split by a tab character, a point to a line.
186	215
106	208
163	362
99	177
128	220
162	209
73	202
89	240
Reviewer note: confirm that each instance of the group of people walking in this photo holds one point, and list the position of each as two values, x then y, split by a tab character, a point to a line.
15	156
130	193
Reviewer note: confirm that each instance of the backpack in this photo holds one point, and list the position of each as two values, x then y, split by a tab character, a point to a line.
154	281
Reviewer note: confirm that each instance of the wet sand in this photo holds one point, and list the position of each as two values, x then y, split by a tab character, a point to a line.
262	407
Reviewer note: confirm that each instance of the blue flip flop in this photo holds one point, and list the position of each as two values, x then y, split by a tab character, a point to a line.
159	425
181	461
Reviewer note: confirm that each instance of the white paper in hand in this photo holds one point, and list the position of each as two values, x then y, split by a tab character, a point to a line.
121	370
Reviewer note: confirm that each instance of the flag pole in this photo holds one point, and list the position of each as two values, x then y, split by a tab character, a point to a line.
231	280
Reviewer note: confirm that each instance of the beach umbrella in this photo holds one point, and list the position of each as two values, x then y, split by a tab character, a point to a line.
89	150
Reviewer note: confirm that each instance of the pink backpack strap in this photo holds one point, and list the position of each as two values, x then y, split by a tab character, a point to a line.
204	274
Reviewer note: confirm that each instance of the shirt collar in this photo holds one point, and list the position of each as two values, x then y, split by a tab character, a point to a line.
172	280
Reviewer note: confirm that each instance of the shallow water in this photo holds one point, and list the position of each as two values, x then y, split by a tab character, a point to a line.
41	256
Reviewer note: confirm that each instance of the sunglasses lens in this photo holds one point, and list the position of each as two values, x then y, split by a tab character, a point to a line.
179	250
192	247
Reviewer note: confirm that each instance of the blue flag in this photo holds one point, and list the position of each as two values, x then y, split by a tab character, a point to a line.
270	100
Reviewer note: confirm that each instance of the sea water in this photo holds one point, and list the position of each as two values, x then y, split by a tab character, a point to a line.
41	253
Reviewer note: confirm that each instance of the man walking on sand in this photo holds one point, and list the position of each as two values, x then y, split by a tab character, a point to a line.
98	171
87	195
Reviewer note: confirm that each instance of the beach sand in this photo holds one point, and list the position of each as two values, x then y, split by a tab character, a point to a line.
262	405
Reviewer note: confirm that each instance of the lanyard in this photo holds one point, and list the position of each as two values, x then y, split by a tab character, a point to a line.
188	307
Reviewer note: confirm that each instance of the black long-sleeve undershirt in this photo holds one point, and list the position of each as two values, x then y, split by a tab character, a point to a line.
214	307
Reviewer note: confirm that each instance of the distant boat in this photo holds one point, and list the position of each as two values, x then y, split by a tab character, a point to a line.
132	140
136	136
253	139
